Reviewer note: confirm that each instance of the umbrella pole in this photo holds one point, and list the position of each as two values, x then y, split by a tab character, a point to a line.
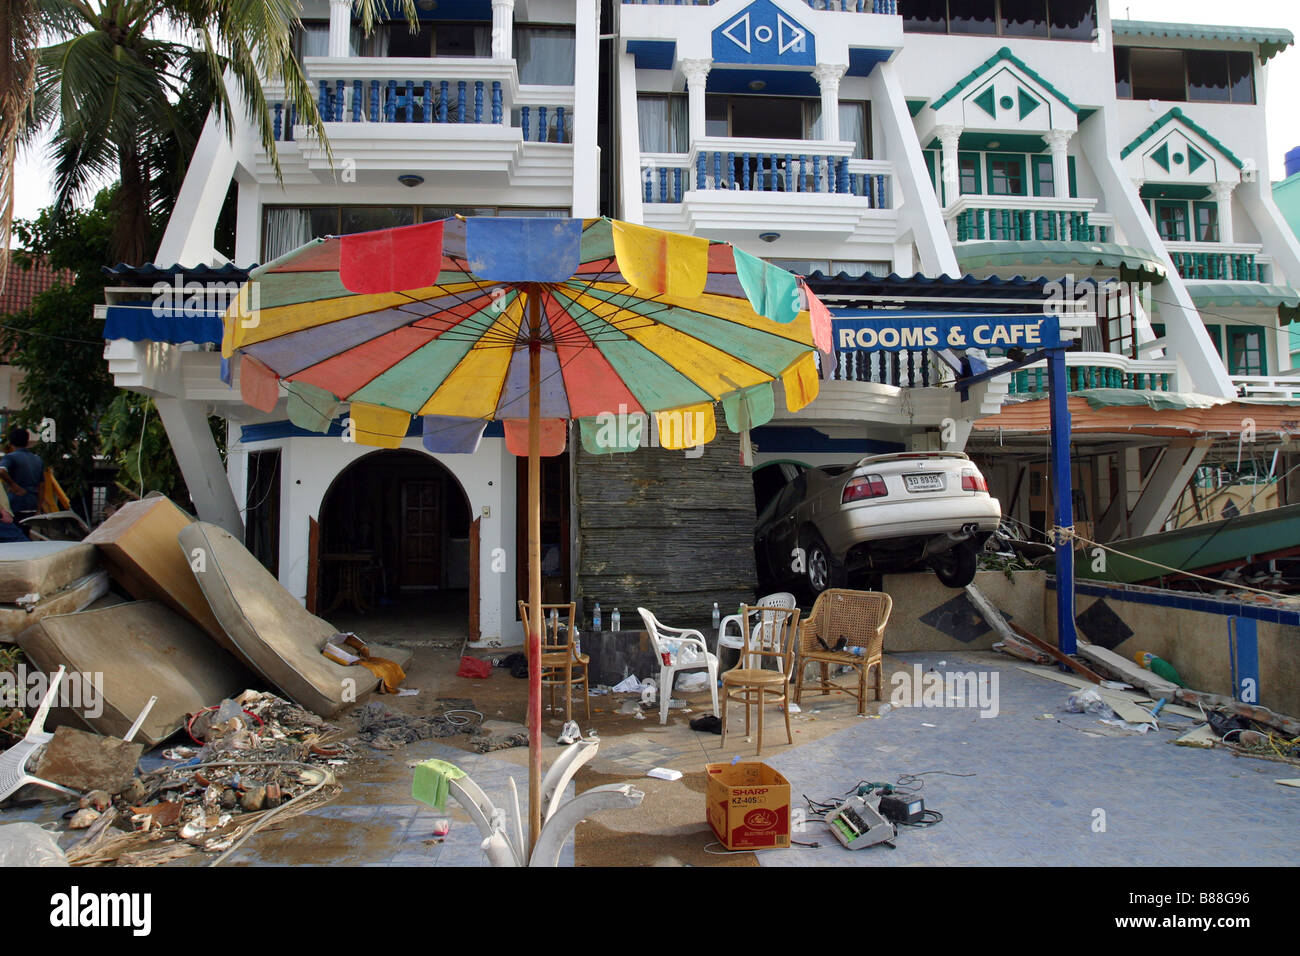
534	569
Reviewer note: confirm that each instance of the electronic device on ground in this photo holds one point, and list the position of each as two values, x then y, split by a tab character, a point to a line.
858	825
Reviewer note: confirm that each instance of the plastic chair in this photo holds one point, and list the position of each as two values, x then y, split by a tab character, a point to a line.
773	636
857	617
562	665
678	649
13	762
737	640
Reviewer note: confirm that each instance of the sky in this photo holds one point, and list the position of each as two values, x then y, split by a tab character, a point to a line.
33	182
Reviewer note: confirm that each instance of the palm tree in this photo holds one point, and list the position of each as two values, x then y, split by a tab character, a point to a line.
110	74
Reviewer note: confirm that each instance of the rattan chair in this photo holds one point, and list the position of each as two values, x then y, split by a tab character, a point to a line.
844	618
561	665
772	637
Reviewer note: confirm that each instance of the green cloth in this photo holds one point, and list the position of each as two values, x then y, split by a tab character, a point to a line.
749	408
772	291
1111	397
432	782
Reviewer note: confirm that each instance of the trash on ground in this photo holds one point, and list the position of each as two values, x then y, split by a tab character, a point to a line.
629	685
707	724
664	773
690	682
84	761
1088	701
384	729
26	844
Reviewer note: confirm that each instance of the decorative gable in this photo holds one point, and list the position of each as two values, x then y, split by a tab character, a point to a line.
1174	149
763	33
1005	93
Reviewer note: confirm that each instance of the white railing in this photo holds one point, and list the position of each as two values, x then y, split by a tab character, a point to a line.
1266	388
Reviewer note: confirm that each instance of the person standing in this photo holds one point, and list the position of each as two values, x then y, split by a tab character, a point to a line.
22	473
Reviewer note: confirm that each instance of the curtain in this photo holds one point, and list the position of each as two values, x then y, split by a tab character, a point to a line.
483	41
545	55
286	230
853	127
662	124
315	39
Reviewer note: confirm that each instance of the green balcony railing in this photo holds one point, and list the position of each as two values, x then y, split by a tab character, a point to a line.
1238	267
1024	225
1081	377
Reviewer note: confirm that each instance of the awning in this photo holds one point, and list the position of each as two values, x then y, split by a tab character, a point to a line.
1249	295
1271	40
1133	264
141	321
1274	421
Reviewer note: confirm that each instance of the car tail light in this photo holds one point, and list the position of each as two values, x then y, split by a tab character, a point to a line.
864	486
972	480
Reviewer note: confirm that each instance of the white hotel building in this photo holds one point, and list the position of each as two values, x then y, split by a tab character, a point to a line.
848	138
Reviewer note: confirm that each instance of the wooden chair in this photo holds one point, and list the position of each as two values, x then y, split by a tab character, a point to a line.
773	636
857	617
561	664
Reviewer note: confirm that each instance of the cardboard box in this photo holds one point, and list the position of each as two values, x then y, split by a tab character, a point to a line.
749	805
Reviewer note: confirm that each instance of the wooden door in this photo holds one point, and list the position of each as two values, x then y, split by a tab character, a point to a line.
421	534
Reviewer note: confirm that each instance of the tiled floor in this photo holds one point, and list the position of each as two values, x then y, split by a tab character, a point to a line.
377	823
1045	791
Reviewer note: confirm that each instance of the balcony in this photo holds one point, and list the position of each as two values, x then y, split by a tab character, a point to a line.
445	114
1085	370
1027	219
887	7
805	186
1233	262
1285	387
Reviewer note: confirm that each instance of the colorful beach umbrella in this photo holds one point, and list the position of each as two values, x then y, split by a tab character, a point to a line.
532	322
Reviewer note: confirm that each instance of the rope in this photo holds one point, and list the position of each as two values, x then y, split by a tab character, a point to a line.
1069	534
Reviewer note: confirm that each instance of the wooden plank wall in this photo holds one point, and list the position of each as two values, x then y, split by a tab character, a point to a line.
659	530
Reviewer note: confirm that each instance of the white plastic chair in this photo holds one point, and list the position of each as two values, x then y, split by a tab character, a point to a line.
674	641
13	762
736	641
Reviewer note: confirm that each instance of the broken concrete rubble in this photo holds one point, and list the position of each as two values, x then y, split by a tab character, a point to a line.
84	761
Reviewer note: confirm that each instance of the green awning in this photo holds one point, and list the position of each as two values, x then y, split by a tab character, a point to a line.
1249	295
1271	40
1133	264
1110	397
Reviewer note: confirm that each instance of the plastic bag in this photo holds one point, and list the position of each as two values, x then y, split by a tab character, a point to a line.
1088	701
26	844
473	667
692	681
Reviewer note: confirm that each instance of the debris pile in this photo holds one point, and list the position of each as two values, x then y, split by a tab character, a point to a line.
259	757
383	729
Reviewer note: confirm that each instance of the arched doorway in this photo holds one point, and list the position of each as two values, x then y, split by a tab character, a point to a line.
394	546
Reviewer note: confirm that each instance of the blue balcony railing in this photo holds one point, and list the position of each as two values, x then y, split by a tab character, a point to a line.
913	368
667	182
426	102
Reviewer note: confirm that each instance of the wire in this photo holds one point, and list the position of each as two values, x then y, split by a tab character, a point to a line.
47	335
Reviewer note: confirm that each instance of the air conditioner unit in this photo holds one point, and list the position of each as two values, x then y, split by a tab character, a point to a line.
924	441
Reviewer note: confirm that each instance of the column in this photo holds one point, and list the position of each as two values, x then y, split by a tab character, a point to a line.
828	78
949	137
1223	196
697	75
1057	141
503	28
340	27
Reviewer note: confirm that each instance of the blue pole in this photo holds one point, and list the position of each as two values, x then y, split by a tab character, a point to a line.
1063	493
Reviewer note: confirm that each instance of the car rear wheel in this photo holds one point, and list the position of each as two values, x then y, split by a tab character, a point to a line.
823	571
956	567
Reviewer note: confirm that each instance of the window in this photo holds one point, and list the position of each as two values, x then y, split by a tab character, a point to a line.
1006	175
433	38
1246	355
1044	19
661	120
1207	221
968	165
855	125
366	218
545	55
783	117
1210	76
1044	176
834	267
1171	220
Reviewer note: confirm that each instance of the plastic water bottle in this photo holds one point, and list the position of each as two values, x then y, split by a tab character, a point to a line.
555	618
595	618
614	620
717	615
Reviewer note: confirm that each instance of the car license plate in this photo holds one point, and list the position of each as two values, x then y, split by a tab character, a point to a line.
923	482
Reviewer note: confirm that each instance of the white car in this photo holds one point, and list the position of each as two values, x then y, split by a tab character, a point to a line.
886	513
